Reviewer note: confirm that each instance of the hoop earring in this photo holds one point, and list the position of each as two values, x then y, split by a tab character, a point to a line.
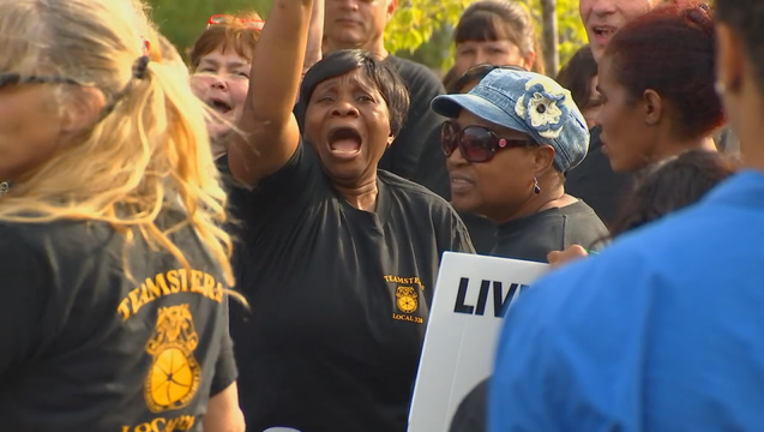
536	188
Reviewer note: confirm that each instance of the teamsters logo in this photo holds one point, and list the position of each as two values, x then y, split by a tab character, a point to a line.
175	374
407	298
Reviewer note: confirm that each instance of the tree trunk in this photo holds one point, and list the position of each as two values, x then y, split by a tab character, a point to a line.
550	42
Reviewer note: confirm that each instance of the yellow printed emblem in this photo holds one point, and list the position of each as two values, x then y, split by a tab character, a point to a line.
175	374
407	299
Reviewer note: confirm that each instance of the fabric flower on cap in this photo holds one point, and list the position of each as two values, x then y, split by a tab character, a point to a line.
543	107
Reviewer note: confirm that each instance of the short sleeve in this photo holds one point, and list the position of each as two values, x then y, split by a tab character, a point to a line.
226	372
284	192
460	237
25	286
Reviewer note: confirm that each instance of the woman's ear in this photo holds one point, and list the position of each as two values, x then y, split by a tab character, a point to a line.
529	60
653	106
543	158
87	103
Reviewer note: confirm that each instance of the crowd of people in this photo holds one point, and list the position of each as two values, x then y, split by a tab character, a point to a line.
252	240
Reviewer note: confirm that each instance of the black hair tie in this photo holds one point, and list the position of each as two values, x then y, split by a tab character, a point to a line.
139	68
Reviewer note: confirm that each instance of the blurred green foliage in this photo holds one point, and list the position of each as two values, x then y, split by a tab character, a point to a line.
182	21
420	29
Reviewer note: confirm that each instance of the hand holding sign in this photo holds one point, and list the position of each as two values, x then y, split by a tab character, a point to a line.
559	258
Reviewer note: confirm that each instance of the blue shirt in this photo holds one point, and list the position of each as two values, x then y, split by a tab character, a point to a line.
664	331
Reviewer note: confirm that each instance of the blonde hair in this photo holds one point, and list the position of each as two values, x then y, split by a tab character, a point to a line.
152	152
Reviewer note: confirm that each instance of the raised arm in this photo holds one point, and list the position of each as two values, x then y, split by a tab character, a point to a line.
315	36
270	132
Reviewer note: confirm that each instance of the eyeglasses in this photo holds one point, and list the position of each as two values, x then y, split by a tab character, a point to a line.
8	79
476	143
254	24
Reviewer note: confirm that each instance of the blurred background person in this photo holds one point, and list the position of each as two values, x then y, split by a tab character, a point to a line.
498	32
220	63
579	76
668	186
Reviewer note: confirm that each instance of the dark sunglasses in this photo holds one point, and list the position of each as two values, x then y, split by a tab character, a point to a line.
476	143
8	79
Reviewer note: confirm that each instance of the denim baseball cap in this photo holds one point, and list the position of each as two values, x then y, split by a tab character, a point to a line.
530	103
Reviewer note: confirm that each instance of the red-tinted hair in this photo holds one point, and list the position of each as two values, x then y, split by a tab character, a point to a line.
671	51
232	34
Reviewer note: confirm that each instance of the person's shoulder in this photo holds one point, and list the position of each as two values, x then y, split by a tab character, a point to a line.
418	76
66	232
413	192
627	265
54	245
580	213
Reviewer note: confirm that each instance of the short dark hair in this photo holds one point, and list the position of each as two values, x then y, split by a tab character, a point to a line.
747	18
384	75
671	51
671	186
475	73
577	75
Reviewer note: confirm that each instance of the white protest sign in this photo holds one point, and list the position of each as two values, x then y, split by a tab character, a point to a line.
471	296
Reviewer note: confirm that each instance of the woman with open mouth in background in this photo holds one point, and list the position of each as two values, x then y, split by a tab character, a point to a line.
339	259
220	63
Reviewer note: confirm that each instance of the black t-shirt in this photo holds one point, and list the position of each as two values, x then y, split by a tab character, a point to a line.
472	413
531	238
84	347
340	298
595	182
411	145
432	172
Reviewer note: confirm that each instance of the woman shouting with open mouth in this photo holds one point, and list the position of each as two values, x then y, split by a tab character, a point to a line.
339	259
